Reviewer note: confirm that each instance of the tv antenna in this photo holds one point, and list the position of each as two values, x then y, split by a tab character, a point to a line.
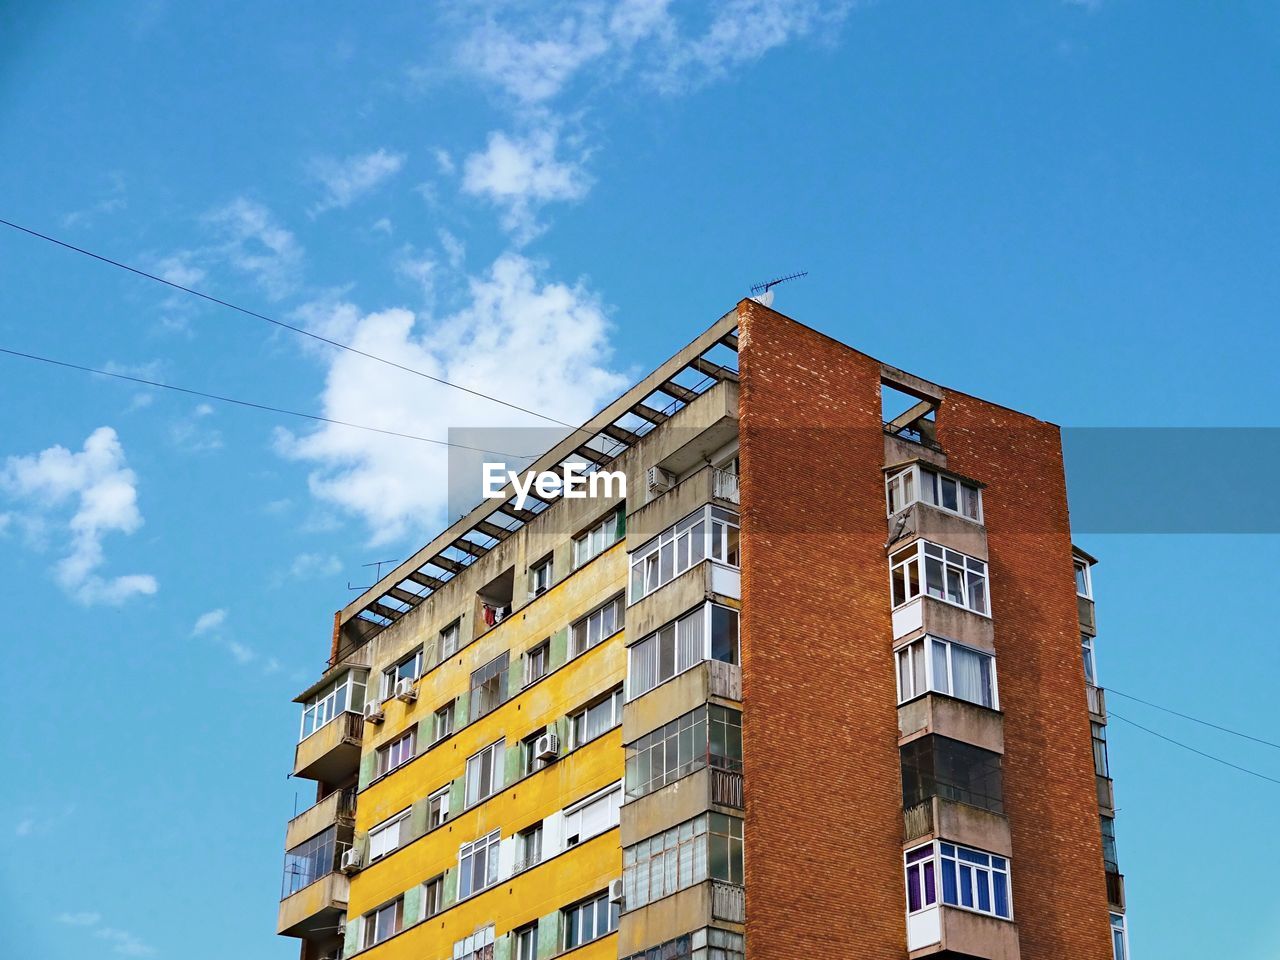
378	576
762	293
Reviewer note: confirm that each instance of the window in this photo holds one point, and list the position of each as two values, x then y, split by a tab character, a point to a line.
1109	859
948	575
708	846
589	920
489	687
1090	663
711	532
600	717
478	864
708	735
596	626
346	693
410	668
711	943
484	773
478	946
1083	587
540	577
449	639
433	896
443	722
529	847
1119	937
932	663
592	816
708	632
529	762
388	835
1100	765
437	808
396	753
970	879
599	538
918	483
527	942
309	861
537	661
934	766
384	922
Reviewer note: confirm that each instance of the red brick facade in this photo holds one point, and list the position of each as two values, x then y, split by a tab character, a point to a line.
824	871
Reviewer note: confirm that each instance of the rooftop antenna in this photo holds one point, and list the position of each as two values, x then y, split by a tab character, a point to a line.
377	563
762	293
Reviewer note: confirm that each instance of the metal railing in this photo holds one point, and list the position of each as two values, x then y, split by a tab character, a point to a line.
726	788
728	902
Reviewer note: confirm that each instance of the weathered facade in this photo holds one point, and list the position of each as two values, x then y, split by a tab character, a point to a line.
813	688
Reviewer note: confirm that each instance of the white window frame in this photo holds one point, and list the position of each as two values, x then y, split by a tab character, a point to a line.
594	541
442	797
909	485
596	618
593	903
442	717
654	641
370	937
392	673
931	684
685	549
387	837
1078	567
438	882
1089	655
478	946
611	796
526	939
344	695
913	561
541	576
540	650
939	857
533	836
1119	937
395	748
449	638
486	846
615	700
496	752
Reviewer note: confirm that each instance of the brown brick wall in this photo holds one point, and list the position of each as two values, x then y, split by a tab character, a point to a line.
823	797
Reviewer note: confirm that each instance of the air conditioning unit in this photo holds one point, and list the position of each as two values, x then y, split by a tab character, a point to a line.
373	711
658	480
351	861
547	747
405	690
615	891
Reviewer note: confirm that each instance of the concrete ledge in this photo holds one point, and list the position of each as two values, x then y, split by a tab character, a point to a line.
949	717
963	933
931	615
923	521
939	818
710	680
314	908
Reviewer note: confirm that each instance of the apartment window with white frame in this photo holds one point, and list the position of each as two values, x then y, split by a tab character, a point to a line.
710	532
442	722
593	816
596	627
478	864
589	920
529	847
1084	587
598	718
1119	937
957	876
384	922
345	694
949	575
1090	660
708	632
484	773
395	754
942	666
920	484
432	897
527	942
540	577
708	846
437	808
410	668
449	639
1098	732
489	687
388	835
478	946
604	534
537	662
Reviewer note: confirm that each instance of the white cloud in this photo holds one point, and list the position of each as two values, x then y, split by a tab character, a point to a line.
192	433
84	919
346	181
122	942
104	491
307	566
209	621
112	201
255	244
521	174
534	69
518	336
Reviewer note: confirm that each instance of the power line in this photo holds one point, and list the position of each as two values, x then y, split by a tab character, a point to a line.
1207	756
1187	716
279	323
249	403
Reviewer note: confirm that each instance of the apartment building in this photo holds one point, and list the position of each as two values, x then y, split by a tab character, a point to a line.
821	684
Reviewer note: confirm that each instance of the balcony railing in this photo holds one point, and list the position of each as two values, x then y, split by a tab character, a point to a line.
917	820
337	808
724	485
726	788
333	752
1097	700
1115	889
728	902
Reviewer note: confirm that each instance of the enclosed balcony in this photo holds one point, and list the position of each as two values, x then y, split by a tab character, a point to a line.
313	898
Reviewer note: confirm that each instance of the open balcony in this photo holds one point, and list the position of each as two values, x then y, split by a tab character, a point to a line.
332	753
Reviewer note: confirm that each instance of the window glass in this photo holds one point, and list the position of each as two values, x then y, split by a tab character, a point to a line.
484	773
710	532
478	864
598	718
396	753
488	687
597	626
936	766
947	668
595	541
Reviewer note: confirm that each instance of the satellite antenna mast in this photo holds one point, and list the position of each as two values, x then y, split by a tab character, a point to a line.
762	293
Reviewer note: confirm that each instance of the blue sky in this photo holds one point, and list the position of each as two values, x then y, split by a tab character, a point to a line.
1070	208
